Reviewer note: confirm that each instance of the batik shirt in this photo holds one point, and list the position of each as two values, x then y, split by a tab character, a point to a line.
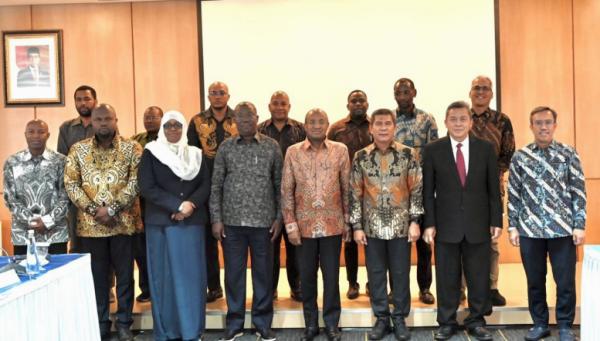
386	191
495	127
33	186
144	138
315	189
246	182
546	191
291	133
203	132
416	130
104	177
355	135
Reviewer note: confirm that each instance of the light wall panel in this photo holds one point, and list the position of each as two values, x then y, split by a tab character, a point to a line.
97	48
166	57
586	14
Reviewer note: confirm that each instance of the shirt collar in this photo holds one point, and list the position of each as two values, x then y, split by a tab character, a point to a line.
464	142
486	113
395	145
553	145
45	155
76	121
256	138
114	143
209	113
306	144
348	119
412	113
270	122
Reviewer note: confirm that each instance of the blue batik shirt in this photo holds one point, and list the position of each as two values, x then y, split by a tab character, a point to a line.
546	191
416	130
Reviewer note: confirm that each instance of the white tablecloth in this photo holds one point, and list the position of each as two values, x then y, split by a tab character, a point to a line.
60	305
590	294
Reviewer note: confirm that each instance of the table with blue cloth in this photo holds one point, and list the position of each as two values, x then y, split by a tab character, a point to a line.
58	304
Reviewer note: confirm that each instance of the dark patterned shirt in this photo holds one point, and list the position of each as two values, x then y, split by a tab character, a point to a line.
495	127
203	131
144	138
292	133
354	136
386	191
416	130
546	191
246	182
34	186
71	132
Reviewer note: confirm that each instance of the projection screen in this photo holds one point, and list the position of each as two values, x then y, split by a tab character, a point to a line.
319	50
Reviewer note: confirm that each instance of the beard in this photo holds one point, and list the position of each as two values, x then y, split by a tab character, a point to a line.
358	113
85	112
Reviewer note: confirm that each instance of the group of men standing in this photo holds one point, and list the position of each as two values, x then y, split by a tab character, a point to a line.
382	182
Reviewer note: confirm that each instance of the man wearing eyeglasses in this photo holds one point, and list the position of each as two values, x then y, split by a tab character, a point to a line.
495	127
207	130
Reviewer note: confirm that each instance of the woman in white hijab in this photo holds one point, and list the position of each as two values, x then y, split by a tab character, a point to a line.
175	184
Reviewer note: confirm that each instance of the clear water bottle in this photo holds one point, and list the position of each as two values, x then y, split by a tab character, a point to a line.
33	262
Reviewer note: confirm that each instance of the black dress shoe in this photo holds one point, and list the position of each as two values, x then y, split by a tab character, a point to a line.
444	333
537	332
380	329
143	297
333	333
353	291
296	295
125	334
497	299
480	333
566	334
401	332
266	335
310	333
426	297
214	295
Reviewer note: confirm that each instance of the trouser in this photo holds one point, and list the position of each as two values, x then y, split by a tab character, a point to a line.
451	259
394	256
213	271
140	256
53	249
235	251
116	252
563	258
351	259
291	262
424	276
494	267
324	253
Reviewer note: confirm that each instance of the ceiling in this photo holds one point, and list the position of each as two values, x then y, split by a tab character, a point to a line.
52	2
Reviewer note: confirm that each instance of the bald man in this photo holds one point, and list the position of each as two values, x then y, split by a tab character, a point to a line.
207	130
315	193
286	132
34	192
101	180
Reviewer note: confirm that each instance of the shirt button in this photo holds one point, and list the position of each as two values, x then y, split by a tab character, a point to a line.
181	194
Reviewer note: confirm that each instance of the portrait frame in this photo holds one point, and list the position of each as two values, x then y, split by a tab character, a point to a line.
33	67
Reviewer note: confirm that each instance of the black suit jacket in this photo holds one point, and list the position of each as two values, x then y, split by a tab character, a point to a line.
163	192
459	212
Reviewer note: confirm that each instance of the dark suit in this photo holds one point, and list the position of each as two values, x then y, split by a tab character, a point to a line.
462	217
25	78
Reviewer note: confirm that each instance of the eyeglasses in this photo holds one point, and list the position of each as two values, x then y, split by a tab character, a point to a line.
176	126
542	123
478	88
217	93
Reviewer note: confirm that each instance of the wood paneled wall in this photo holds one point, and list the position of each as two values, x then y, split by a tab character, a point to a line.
144	54
134	55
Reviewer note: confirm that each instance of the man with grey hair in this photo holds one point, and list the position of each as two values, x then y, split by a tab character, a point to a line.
245	215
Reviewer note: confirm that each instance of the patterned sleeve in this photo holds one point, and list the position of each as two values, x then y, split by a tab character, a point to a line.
216	187
514	189
126	197
288	189
59	211
432	134
73	184
345	183
415	186
19	211
277	174
356	193
507	146
577	189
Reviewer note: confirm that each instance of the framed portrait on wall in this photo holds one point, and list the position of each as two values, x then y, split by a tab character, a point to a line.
33	70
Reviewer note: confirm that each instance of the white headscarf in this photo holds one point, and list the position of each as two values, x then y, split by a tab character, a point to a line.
183	160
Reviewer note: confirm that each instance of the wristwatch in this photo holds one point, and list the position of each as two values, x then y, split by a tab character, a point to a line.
111	211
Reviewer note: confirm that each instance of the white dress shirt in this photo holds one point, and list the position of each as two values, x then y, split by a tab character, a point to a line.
465	151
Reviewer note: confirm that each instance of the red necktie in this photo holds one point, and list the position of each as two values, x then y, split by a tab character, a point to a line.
460	165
